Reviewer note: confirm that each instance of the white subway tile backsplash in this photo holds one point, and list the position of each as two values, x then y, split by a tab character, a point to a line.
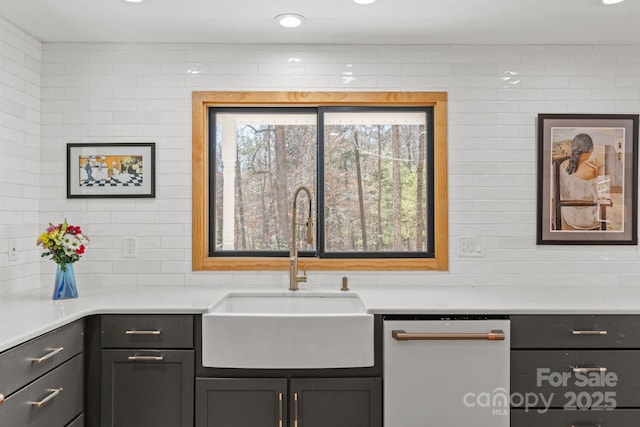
405	83
136	267
135	68
615	94
64	81
61	93
627	107
20	72
591	107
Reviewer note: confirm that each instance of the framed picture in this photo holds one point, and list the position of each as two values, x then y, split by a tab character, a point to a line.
587	179
111	170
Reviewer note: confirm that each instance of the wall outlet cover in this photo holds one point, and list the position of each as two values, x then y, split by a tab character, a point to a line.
470	246
12	248
130	247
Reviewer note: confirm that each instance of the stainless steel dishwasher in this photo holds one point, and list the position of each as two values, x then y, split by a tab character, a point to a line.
446	372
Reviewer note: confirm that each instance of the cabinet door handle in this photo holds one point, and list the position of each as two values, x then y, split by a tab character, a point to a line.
586	425
146	358
495	335
295	409
280	419
53	393
134	332
52	352
579	370
581	332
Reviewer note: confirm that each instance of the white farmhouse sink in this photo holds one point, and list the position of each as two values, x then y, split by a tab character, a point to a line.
288	330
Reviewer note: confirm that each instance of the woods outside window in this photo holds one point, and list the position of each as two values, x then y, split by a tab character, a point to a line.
375	163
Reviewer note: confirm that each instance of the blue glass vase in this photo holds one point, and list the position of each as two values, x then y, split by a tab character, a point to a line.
65	285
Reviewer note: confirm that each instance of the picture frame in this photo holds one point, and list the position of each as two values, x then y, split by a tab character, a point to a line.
587	179
104	170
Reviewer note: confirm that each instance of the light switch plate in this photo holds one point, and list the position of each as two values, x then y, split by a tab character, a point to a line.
12	248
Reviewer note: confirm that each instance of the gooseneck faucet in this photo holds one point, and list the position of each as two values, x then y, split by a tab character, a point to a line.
294	279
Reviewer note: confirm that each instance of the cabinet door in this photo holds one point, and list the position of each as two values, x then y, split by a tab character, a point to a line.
147	388
77	422
241	402
336	402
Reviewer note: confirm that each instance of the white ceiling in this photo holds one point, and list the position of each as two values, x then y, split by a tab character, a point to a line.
329	21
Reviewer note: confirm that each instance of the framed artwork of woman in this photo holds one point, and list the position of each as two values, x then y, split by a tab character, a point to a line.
587	179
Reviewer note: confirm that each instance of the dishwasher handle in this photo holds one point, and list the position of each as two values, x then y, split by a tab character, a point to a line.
494	335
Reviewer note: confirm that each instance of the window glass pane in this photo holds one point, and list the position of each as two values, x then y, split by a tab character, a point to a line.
375	181
261	157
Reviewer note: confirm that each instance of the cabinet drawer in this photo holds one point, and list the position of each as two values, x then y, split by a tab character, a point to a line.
147	331
59	394
560	331
551	374
560	418
26	362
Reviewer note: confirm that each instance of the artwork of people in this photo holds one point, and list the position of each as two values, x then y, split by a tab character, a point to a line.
110	170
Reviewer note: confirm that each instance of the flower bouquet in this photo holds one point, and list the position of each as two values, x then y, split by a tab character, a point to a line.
64	244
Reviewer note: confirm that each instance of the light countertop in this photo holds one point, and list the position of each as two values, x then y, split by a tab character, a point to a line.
30	314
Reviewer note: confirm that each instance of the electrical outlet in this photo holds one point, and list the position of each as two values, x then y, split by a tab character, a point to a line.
12	250
470	246
130	247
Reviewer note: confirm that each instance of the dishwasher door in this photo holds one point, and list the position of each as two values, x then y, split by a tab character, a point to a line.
446	373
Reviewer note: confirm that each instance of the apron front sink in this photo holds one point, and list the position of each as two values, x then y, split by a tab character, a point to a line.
267	330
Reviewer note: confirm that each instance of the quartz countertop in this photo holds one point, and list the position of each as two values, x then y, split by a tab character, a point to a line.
30	314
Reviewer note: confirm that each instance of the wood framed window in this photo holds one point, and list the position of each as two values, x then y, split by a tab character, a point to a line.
372	147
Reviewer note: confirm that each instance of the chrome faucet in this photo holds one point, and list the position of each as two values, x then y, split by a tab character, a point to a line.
294	279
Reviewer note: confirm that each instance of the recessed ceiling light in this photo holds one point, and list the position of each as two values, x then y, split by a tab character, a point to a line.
290	20
364	1
612	1
135	1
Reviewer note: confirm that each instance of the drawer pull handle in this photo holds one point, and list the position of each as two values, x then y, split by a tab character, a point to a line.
1	399
280	419
495	335
295	409
146	358
131	332
52	352
586	425
53	393
578	370
579	332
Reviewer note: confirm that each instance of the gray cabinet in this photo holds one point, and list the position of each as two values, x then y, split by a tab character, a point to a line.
41	381
147	374
575	370
77	422
274	402
241	402
336	402
562	418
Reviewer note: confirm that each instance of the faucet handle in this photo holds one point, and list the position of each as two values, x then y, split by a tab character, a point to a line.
303	278
310	229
